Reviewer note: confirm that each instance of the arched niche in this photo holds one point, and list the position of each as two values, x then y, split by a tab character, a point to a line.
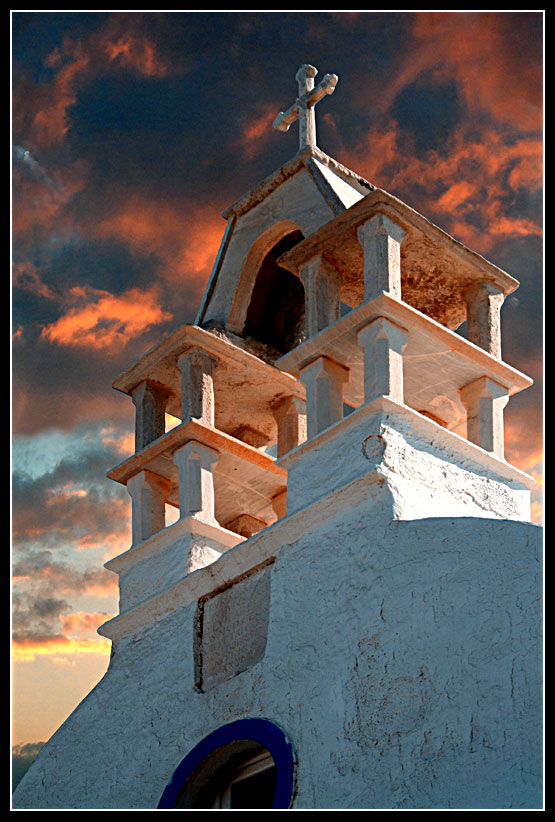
269	301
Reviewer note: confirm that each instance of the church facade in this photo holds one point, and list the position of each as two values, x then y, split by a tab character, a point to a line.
346	614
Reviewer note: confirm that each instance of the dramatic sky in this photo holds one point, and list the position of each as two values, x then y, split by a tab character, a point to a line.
132	132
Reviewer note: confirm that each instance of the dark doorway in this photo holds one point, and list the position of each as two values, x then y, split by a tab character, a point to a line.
276	312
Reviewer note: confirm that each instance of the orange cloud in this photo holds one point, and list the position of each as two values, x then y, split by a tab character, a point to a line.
109	588
119	41
258	127
112	545
537	513
26	277
50	123
476	50
61	492
470	178
455	195
108	322
137	53
494	153
524	449
521	452
124	443
185	238
80	622
64	407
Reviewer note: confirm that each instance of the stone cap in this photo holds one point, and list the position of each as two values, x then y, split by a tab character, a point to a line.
244	385
435	268
474	458
245	479
437	362
188	526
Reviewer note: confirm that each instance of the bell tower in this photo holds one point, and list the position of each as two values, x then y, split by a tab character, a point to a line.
345	614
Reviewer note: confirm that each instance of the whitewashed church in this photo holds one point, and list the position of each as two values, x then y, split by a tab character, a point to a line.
345	614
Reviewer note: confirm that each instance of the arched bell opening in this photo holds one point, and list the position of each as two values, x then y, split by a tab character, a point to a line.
276	312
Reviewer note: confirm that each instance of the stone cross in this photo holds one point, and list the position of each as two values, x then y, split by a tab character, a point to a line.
303	107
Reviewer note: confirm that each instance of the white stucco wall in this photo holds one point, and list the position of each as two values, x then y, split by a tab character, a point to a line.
402	660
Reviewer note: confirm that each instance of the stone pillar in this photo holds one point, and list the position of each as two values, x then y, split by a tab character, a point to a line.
322	282
290	415
483	307
323	379
148	495
150	402
279	504
382	344
381	239
197	385
195	463
484	401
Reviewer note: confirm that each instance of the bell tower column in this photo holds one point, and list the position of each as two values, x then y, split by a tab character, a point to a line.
323	379
382	343
483	306
195	464
148	494
321	282
380	238
197	385
150	402
485	400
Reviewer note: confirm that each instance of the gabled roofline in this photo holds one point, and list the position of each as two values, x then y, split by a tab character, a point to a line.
301	159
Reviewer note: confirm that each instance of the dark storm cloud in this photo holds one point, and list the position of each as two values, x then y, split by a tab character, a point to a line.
42	567
179	129
131	130
36	35
419	105
37	617
106	264
48	394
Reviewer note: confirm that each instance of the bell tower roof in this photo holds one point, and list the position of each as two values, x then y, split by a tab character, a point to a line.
301	196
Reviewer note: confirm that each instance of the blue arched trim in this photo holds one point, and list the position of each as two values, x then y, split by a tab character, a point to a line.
256	730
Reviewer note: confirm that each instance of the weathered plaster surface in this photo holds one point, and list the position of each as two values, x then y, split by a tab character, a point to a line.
158	563
421	475
402	659
166	567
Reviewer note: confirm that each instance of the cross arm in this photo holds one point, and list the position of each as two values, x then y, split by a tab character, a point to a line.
326	86
285	118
